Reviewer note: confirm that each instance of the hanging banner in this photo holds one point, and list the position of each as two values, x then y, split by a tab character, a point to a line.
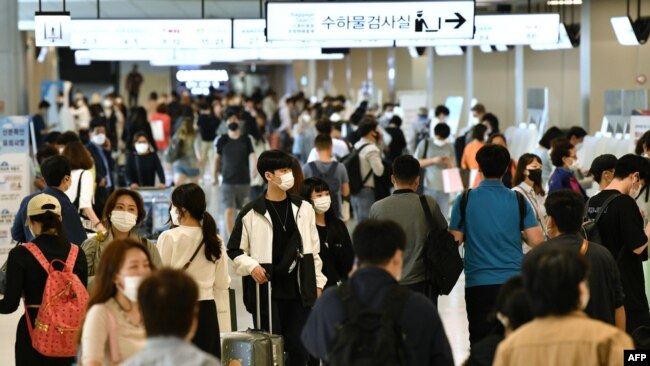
309	21
15	171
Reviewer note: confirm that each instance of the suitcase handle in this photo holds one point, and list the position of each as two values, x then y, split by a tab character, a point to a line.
259	302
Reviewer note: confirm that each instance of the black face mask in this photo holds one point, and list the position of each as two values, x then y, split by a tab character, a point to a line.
233	126
535	175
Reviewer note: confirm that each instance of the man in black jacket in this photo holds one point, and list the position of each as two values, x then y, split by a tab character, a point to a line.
379	246
100	149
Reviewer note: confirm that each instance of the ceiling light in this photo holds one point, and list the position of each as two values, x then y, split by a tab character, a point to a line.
485	48
563	2
449	51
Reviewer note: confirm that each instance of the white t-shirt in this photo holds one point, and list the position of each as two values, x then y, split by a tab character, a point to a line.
339	149
176	247
87	188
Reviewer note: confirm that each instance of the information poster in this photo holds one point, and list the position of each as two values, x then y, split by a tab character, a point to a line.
14	174
639	126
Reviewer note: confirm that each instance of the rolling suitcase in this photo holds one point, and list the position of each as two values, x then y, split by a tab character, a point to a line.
254	347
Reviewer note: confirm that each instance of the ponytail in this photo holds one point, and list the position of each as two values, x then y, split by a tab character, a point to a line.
49	221
210	238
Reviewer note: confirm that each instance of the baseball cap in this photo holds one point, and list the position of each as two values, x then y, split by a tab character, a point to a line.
602	163
42	203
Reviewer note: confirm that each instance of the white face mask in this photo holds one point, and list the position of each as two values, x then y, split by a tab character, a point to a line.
123	221
584	297
141	147
287	181
322	204
174	216
439	142
578	146
131	284
388	115
634	192
305	118
107	103
99	139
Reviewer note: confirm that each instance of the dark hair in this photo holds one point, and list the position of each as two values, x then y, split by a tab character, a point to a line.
97	123
519	177
566	207
512	302
54	169
324	126
388	105
111	202
49	220
168	302
442	129
366	125
493	160
376	241
67	137
43	104
191	197
478	132
137	135
644	140
492	120
630	164
550	135
232	111
78	156
478	108
323	142
396	120
298	176
272	160
153	96
313	184
110	263
551	275
441	109
45	151
139	114
406	169
161	108
576	131
51	137
496	136
561	149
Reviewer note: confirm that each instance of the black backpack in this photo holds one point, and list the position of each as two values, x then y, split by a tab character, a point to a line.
590	227
353	166
276	122
369	337
442	261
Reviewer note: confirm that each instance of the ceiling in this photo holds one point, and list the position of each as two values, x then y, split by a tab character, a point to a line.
189	9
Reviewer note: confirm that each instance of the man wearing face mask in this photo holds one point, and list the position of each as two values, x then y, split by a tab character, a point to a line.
622	231
563	157
565	211
56	172
370	165
436	154
234	154
602	170
100	148
275	239
560	334
386	115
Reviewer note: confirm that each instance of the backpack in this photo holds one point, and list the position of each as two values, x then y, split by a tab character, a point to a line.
174	151
62	309
590	227
369	337
276	122
353	166
442	261
422	134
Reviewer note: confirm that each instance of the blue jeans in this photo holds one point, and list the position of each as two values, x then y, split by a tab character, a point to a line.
361	203
441	198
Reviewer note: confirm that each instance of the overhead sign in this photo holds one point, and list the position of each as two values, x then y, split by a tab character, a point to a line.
149	33
298	21
52	29
510	29
250	33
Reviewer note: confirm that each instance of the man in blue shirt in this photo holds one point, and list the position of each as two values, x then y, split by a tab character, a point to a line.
492	235
56	172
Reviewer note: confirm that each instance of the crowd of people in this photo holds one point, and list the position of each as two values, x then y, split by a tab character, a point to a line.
294	176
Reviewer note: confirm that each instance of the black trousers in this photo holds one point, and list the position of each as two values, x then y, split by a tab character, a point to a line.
421	287
635	319
207	334
133	98
479	301
289	317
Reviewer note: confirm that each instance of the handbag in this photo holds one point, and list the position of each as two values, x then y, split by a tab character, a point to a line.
193	256
85	221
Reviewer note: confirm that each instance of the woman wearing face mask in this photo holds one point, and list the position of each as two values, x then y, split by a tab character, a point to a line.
195	246
336	250
81	191
528	181
304	133
81	116
26	277
563	157
143	165
113	330
123	212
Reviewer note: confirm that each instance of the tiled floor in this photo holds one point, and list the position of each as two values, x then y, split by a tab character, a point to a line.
451	309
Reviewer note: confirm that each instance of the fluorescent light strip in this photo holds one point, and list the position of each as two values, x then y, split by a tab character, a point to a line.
563	2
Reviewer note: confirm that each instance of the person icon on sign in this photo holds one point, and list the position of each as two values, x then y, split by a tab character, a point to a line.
420	23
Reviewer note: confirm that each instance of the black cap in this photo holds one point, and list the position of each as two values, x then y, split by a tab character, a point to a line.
601	164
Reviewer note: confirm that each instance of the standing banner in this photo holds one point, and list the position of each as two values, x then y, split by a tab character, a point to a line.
15	171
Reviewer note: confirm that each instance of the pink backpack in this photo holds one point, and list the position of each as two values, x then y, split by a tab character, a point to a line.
61	312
